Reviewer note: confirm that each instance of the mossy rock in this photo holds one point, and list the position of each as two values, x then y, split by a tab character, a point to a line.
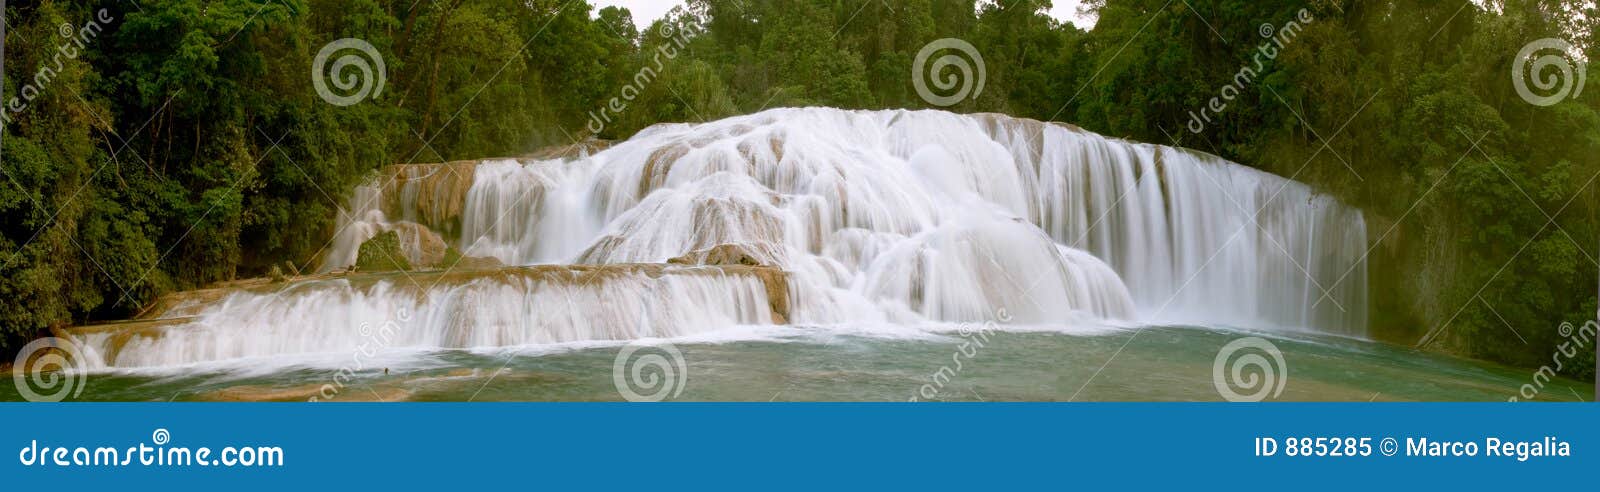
451	257
382	254
454	260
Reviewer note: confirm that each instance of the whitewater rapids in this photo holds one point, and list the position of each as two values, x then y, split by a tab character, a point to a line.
895	218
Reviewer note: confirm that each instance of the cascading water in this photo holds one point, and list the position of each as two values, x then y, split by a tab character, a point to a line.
507	308
889	218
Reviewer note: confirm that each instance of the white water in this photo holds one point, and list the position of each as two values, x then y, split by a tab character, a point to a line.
501	311
893	218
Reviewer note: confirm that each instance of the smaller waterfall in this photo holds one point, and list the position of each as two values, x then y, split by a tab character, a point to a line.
970	270
523	306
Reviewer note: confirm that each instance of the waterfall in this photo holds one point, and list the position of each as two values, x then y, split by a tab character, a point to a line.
511	307
906	218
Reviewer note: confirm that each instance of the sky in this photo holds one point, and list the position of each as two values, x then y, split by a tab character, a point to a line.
647	11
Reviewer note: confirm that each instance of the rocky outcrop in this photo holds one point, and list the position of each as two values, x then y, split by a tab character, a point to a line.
753	255
430	194
777	284
757	254
724	209
657	166
466	263
422	247
382	254
411	246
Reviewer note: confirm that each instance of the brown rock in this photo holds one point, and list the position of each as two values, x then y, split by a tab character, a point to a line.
422	247
476	263
730	254
432	194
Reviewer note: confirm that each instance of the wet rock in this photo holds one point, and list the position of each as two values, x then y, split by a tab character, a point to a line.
431	194
422	247
458	262
751	254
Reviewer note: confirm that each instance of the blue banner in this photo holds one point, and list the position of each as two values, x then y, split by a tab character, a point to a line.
146	446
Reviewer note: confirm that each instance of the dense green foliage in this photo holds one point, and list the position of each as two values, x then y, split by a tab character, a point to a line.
187	143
